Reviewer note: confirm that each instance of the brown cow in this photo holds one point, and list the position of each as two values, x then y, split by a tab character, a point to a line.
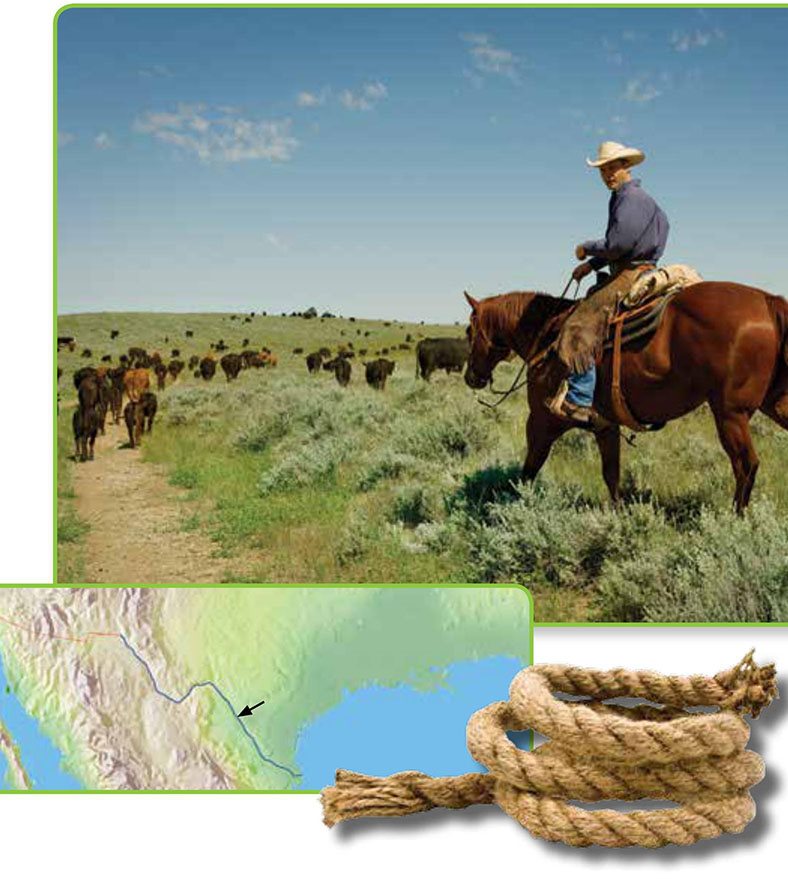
135	383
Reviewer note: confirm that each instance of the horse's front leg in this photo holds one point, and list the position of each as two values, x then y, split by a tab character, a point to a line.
542	429
609	444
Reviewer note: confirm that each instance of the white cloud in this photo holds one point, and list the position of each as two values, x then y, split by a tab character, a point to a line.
684	41
155	71
102	141
366	98
220	134
276	242
487	58
311	99
64	138
640	91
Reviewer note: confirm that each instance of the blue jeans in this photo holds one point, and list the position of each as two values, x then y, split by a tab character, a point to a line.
581	387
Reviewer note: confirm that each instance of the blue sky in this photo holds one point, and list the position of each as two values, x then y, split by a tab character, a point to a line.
377	162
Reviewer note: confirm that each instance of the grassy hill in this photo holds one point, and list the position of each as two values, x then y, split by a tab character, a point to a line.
415	484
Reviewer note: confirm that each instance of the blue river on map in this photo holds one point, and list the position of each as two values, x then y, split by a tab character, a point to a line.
40	757
380	730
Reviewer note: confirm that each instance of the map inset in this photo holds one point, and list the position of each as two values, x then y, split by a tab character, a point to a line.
247	688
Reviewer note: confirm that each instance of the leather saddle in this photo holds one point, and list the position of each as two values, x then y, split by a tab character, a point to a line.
640	322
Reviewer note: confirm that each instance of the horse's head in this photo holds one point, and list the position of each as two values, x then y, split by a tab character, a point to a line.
487	346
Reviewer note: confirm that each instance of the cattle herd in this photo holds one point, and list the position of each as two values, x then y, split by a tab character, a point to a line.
431	354
101	390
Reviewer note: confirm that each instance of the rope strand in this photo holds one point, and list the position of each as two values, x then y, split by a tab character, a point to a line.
597	751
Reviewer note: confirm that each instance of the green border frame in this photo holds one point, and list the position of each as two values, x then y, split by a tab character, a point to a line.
476	5
516	586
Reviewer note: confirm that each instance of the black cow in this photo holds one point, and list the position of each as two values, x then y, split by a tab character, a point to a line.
377	371
115	377
150	405
161	376
341	367
448	354
247	357
314	361
86	419
139	417
105	395
113	334
207	368
194	362
175	368
82	373
231	364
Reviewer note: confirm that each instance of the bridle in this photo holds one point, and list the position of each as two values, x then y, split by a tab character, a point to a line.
528	362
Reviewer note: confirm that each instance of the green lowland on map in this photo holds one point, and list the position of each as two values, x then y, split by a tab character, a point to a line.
247	688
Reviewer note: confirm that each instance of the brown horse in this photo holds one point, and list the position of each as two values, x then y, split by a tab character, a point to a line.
718	343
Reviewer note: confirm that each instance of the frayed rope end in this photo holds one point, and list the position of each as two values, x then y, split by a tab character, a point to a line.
354	795
752	687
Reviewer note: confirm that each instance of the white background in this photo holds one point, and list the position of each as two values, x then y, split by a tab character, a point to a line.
92	835
283	835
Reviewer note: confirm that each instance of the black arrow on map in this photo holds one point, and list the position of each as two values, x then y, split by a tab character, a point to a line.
247	711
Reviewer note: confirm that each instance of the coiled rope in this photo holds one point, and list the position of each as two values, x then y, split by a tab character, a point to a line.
597	751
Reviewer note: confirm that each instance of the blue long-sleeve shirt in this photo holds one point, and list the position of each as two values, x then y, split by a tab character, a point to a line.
637	229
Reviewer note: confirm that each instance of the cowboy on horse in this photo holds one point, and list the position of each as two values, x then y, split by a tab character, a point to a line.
637	232
716	343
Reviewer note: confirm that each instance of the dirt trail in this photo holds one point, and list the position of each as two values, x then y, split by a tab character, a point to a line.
135	518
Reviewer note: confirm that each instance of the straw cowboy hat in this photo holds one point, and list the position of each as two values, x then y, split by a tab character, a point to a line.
610	151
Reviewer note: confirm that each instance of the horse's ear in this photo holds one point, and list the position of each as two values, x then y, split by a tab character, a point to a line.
474	303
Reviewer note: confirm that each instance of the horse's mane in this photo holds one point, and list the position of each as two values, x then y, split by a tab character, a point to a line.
527	311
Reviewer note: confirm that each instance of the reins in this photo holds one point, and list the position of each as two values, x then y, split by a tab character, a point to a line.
531	361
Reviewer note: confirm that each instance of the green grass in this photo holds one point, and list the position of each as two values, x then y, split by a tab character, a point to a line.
70	528
418	483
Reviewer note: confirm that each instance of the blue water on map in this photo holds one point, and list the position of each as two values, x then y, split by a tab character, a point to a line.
40	757
381	730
